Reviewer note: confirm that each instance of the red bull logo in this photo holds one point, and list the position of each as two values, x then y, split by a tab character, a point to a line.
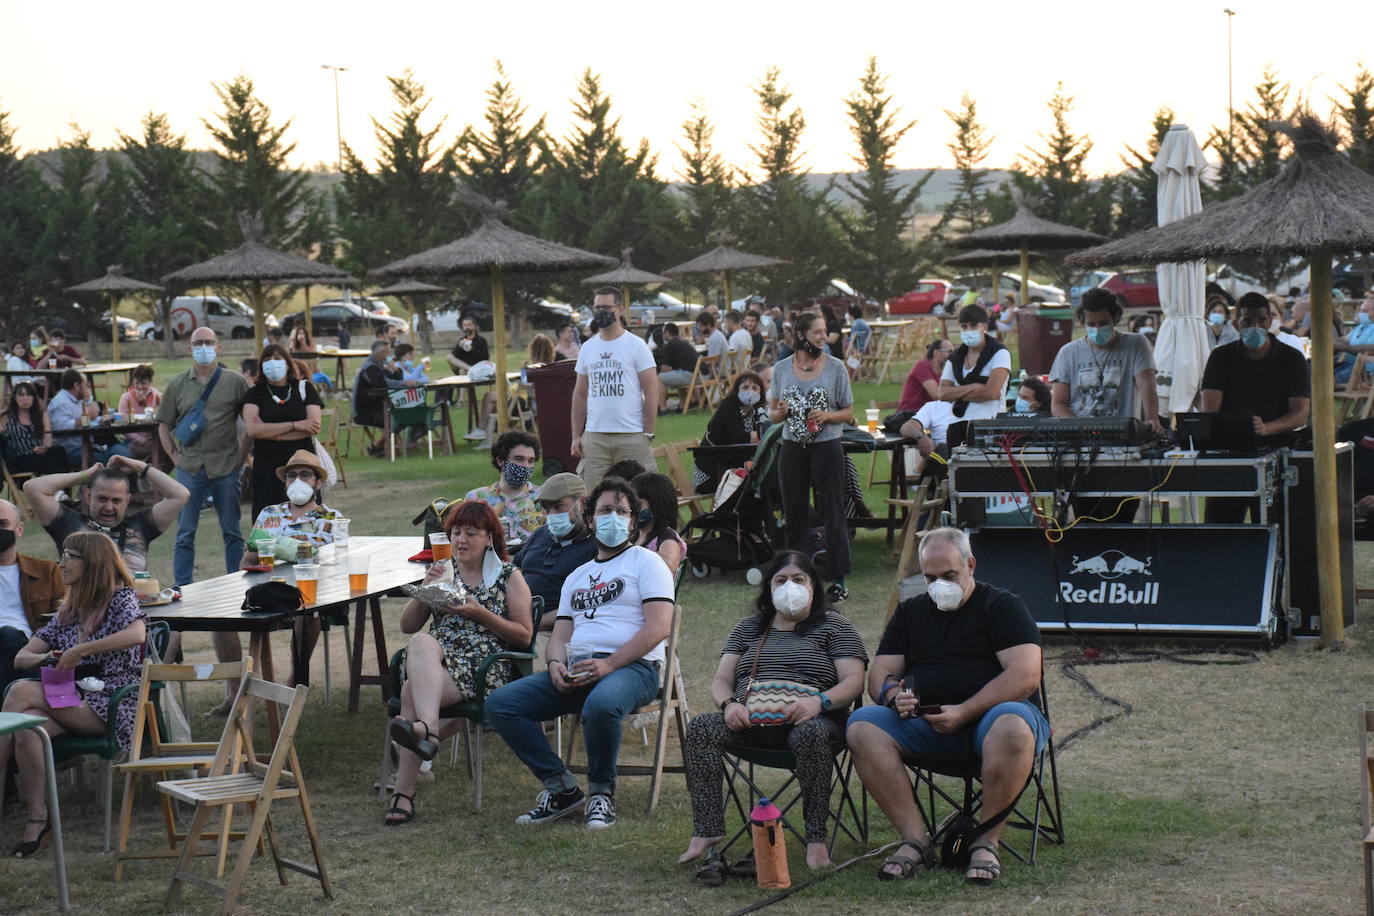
1110	565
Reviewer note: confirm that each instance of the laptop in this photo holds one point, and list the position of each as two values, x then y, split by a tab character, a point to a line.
1229	431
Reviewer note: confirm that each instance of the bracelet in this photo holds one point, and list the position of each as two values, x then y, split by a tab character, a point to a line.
727	703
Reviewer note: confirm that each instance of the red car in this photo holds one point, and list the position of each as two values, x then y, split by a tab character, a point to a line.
1139	288
921	300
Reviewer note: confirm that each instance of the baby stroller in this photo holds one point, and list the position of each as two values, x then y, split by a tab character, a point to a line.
743	532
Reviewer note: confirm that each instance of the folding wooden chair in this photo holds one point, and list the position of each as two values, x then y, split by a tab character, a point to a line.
329	440
923	516
15	482
670	703
1357	398
702	383
151	755
671	455
259	785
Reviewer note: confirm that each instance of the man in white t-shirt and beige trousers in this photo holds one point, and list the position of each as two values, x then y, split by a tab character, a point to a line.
615	401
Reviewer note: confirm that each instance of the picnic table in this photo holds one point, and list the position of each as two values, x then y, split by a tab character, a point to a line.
91	371
340	367
216	605
88	433
454	383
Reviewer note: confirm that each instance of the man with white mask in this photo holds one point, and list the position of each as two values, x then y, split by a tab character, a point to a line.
956	672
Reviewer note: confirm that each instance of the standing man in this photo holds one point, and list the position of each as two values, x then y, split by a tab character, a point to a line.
206	464
29	590
1105	373
615	401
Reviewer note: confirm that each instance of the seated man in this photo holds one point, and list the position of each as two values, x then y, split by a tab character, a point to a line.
1360	434
371	386
560	545
930	428
65	411
1359	340
30	589
603	661
470	350
973	652
677	360
59	350
716	343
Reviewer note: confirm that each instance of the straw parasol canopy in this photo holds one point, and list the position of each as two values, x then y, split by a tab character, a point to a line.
723	259
415	293
115	286
1023	231
496	249
625	276
255	268
1319	205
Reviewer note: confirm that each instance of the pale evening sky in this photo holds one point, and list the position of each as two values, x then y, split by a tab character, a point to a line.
104	66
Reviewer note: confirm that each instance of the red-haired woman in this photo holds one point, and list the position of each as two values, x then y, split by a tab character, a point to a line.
440	665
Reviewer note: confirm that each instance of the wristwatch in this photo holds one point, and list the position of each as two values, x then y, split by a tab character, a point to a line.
649	436
825	702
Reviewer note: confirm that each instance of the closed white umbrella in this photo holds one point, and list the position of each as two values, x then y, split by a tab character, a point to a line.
1181	348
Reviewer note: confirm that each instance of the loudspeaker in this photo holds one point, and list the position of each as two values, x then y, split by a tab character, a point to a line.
1300	542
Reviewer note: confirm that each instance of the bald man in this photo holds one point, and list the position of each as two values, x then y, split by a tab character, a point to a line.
29	589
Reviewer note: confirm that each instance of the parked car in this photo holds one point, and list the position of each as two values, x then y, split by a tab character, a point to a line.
449	316
77	333
1084	282
1009	283
370	303
1349	277
1237	283
327	318
839	295
921	299
226	317
664	308
1139	289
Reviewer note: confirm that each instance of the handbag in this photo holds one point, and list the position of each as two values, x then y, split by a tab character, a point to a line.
766	701
272	598
963	831
193	424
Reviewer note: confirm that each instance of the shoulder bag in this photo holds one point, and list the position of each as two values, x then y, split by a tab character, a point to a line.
193	424
767	700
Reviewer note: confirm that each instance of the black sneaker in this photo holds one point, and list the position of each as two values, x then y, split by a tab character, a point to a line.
837	593
600	812
550	807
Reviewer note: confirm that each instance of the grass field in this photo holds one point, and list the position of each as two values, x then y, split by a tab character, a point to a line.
1229	788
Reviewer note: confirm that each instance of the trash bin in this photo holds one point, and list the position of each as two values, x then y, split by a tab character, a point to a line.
1040	334
553	389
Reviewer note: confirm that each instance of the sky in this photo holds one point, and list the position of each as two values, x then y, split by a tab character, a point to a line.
104	66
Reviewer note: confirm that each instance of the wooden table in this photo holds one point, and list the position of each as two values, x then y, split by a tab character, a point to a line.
88	433
90	371
340	368
215	605
460	383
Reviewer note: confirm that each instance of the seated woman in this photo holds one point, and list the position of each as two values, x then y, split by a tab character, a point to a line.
20	360
25	436
141	396
740	419
412	370
540	353
101	625
513	498
795	636
658	518
440	666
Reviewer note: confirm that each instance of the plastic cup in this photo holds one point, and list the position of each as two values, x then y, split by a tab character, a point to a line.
308	581
871	415
577	652
357	572
439	544
340	531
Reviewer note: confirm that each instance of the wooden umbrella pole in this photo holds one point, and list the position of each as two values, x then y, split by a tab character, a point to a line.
309	324
728	297
114	327
1025	275
259	319
1324	455
498	327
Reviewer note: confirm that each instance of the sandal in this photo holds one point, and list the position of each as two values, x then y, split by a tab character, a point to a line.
712	872
396	815
27	848
906	865
993	868
403	733
745	867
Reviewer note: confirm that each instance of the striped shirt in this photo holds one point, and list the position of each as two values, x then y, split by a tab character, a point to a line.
808	659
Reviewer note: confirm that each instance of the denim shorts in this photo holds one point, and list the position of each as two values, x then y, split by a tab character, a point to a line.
916	738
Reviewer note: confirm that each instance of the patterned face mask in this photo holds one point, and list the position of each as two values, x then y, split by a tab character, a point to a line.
516	475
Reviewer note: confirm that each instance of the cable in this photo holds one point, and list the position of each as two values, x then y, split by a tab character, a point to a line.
788	892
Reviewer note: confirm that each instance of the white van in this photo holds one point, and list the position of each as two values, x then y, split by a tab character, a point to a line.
227	317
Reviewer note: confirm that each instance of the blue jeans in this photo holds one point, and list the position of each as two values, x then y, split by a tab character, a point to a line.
517	709
916	738
101	456
225	491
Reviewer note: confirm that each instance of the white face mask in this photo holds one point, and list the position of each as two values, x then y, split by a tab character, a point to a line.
274	369
792	599
300	492
946	595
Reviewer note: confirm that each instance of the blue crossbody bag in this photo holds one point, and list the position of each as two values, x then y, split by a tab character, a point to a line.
193	424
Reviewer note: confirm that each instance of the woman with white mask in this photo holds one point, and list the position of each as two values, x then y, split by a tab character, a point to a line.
740	419
281	415
787	677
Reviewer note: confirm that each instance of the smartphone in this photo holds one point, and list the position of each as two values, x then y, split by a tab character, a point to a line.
933	710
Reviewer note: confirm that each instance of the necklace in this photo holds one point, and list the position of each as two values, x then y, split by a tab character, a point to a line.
273	394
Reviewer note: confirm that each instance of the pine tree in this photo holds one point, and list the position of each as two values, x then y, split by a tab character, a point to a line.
1137	191
706	186
501	163
24	199
968	209
68	250
1358	116
253	176
878	260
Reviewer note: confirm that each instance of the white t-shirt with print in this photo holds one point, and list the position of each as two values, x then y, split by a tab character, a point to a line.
984	410
605	599
615	401
11	604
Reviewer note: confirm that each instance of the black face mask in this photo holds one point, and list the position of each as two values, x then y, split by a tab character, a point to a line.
603	318
6	539
810	349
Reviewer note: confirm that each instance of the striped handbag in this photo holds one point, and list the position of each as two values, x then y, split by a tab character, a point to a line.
767	700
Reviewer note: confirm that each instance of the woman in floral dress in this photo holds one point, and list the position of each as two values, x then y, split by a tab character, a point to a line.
99	624
440	666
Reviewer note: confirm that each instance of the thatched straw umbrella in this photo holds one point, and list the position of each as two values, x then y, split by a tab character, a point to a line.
1024	231
994	260
624	276
723	259
416	295
116	286
496	249
254	268
1318	206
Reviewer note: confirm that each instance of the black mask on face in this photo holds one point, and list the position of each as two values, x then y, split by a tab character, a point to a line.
810	349
603	318
6	539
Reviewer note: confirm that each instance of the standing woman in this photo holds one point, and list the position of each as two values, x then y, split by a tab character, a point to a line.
26	438
281	414
101	625
812	398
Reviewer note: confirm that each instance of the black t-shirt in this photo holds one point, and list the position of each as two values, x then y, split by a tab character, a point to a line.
1259	387
678	354
758	345
954	654
1361	433
833	326
476	352
294	398
131	536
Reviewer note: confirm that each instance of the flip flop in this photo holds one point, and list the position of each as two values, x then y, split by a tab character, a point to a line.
712	872
403	733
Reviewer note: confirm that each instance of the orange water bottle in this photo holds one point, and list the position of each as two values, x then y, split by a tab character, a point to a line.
770	849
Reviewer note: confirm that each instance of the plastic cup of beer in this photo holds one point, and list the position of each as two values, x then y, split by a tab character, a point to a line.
340	531
871	415
357	572
308	581
440	546
578	652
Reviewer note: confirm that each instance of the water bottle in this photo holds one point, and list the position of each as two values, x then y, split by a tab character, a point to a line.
770	848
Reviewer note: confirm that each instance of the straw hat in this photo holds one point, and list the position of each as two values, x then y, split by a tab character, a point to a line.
303	459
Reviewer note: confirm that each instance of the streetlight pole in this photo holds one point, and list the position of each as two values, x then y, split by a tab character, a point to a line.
338	125
1230	105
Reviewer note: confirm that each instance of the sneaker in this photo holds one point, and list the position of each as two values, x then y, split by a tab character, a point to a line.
600	812
837	592
483	445
475	434
549	807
